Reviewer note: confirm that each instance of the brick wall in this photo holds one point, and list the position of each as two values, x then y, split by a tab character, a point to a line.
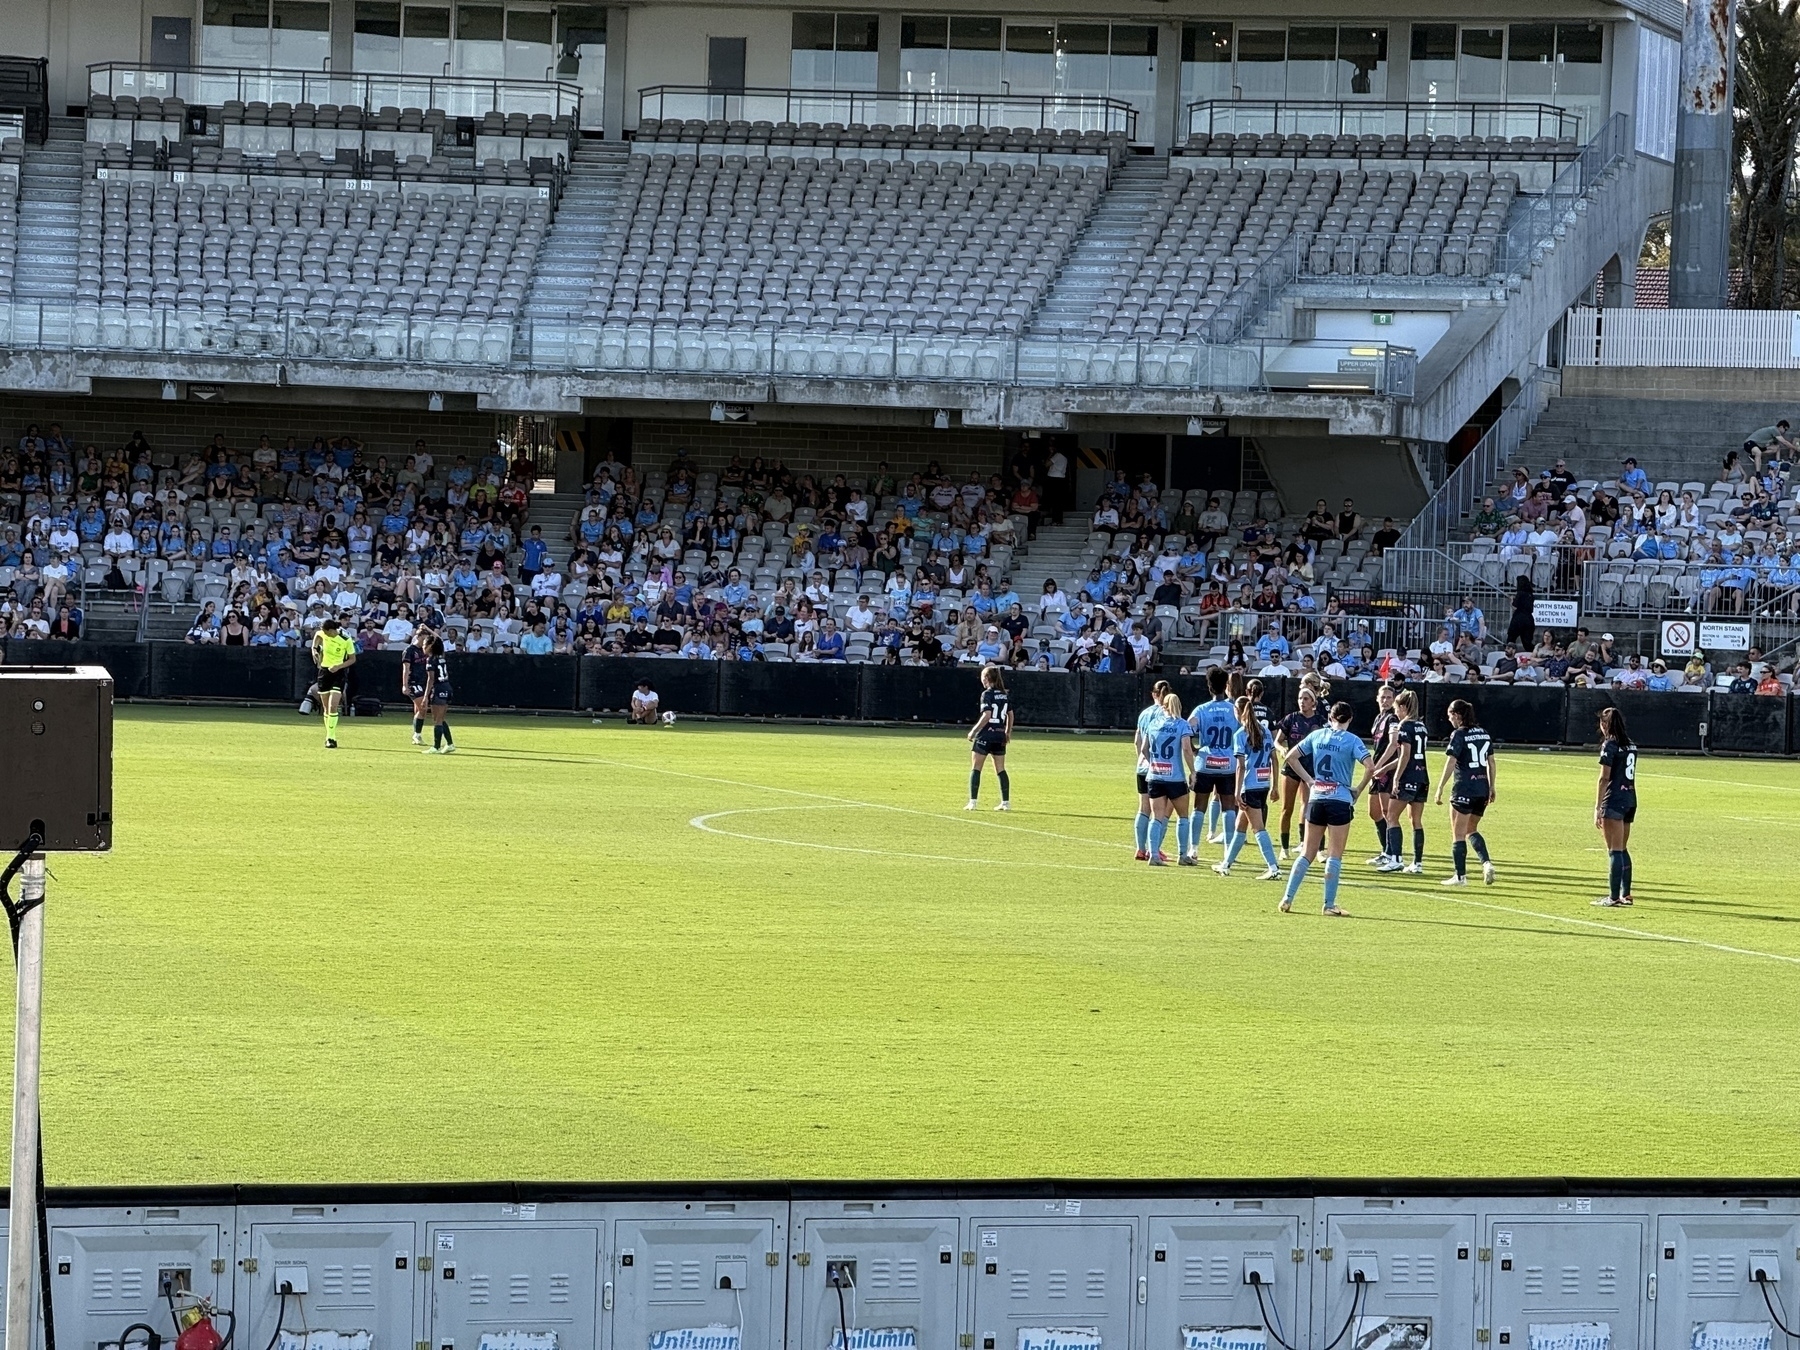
819	449
182	426
1682	382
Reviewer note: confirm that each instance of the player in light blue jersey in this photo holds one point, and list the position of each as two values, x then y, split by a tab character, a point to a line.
1169	752
1327	760
1253	749
1146	719
1215	726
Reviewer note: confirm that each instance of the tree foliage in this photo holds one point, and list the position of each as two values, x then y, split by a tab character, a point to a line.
1765	130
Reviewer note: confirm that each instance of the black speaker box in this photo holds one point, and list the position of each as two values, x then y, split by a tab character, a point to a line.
56	757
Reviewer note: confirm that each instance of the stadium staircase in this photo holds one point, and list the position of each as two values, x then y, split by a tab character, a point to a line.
1108	243
1056	552
556	512
50	214
565	266
1673	440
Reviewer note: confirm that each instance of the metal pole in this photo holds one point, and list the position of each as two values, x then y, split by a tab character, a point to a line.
1700	231
21	1235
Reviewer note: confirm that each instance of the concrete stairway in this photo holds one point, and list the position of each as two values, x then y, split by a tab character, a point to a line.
1108	244
565	265
556	512
1056	552
50	215
1673	440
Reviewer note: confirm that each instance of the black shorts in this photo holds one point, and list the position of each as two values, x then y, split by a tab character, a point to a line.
1330	813
415	691
1467	803
1291	775
1414	788
1171	788
1143	786
990	743
1382	787
1225	784
441	696
1621	806
330	679
1254	799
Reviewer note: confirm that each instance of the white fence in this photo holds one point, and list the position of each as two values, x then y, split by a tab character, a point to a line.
1760	338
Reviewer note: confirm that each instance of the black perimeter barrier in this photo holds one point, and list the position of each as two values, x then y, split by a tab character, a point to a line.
926	695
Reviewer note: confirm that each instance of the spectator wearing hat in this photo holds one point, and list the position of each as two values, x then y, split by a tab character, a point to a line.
1632	478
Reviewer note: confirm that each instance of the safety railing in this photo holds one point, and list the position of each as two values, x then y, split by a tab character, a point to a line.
940	108
1456	498
1307	117
214	86
1739	338
1320	366
1533	227
1486	570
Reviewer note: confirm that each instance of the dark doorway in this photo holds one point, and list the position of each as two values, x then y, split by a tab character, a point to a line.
725	65
171	41
1211	462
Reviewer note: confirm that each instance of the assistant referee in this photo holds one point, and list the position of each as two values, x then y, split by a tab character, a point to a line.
333	653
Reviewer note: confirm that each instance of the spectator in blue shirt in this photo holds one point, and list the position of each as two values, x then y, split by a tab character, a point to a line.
1634	479
534	553
1272	645
829	644
1467	619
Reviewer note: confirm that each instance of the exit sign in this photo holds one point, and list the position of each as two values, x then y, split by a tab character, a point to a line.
1382	318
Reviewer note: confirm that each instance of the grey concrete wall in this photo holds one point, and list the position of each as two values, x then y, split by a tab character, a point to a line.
1681	382
1380	476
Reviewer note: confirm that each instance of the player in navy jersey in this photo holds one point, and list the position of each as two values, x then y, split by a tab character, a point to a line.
1289	733
1381	786
989	737
1615	806
1150	715
1412	781
1215	726
437	695
1470	775
1327	760
413	664
1169	753
1253	749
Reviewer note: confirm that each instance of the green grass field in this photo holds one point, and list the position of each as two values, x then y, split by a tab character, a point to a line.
593	952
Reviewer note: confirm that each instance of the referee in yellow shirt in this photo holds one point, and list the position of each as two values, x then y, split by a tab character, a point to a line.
333	653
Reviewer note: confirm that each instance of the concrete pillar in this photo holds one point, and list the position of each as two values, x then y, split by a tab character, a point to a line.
1168	112
1700	234
1619	282
343	36
887	52
1399	65
619	105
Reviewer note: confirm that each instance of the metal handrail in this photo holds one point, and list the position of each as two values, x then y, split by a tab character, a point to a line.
1536	225
917	108
1466	484
1321	117
461	95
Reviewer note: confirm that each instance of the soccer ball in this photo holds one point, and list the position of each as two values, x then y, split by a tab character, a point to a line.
668	719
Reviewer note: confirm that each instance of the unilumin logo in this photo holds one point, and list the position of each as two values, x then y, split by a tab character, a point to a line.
1059	1338
715	1337
876	1338
1224	1338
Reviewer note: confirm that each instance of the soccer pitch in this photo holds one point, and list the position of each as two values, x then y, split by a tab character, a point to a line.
597	952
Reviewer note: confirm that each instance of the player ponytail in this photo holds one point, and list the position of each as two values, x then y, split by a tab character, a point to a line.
1254	690
1235	685
1215	682
1341	714
1252	724
1407	704
1612	727
1171	704
991	678
1159	691
1462	712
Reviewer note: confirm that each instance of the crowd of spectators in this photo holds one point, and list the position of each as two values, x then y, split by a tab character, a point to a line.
1731	547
